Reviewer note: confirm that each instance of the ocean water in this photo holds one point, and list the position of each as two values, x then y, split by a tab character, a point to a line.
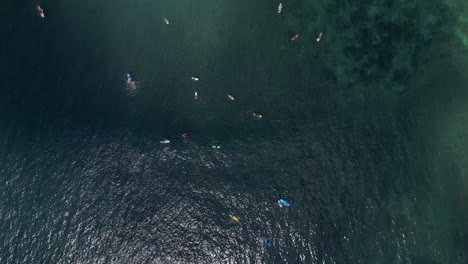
373	175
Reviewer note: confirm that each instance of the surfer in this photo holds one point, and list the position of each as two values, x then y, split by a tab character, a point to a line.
185	135
194	78
282	202
166	20
234	217
267	241
130	81
195	95
319	37
165	141
294	37
129	78
41	11
230	97
257	116
280	6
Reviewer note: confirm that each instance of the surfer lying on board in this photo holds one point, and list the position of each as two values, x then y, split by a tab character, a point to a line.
257	115
294	37
267	241
319	37
282	202
41	11
234	217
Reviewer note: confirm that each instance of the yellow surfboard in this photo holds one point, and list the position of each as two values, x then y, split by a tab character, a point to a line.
234	217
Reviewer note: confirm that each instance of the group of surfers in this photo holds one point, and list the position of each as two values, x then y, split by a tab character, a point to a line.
281	203
166	20
134	84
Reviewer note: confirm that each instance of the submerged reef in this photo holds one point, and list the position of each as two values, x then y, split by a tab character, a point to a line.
374	43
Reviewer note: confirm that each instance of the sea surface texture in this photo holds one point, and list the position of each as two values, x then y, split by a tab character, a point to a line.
364	132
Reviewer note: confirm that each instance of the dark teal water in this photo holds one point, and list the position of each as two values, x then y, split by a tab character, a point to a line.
375	174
